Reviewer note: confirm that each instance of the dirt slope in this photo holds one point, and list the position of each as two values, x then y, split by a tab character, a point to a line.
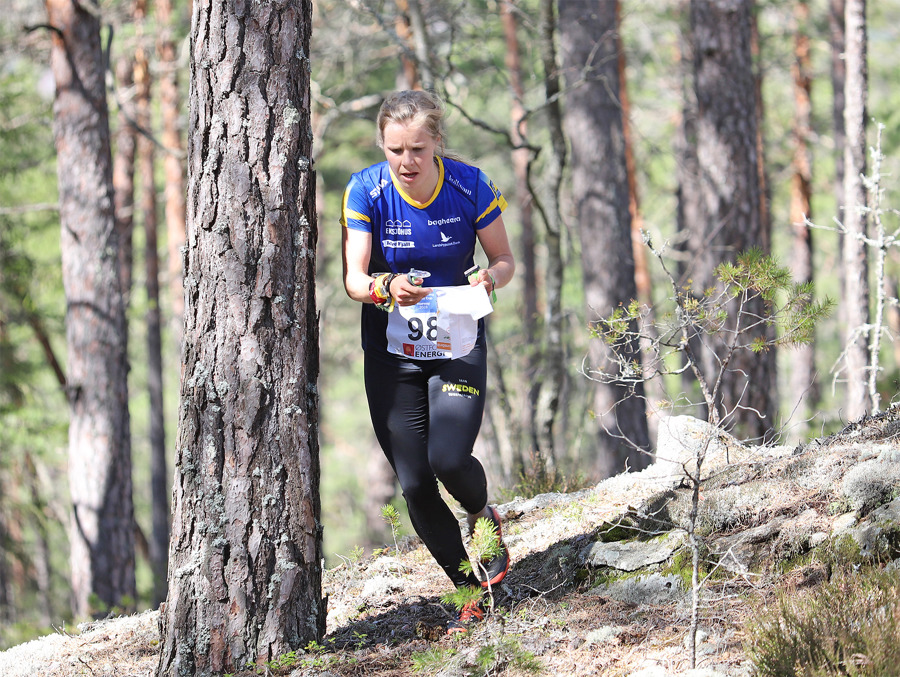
597	584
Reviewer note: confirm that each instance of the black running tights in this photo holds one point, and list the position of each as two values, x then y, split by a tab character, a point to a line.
426	415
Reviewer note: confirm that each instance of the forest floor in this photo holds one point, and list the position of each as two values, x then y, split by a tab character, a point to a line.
552	613
386	612
385	615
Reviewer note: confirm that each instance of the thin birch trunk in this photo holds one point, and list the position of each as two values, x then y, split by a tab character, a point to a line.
855	297
553	369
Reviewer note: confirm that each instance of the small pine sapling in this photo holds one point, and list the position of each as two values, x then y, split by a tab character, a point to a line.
485	546
390	515
727	320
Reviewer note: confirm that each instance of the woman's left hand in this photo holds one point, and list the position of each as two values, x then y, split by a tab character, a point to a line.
483	278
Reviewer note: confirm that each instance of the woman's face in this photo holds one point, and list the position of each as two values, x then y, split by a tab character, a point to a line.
409	150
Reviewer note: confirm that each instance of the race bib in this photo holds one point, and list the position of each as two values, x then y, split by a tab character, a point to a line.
443	325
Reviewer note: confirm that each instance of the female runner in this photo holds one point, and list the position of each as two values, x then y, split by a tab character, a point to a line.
413	220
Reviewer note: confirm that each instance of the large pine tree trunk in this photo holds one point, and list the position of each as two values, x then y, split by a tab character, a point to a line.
594	125
731	222
102	540
245	557
855	298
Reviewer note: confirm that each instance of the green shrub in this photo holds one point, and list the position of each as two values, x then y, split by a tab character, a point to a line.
850	626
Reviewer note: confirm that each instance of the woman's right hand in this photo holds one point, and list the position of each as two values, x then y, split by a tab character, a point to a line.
406	294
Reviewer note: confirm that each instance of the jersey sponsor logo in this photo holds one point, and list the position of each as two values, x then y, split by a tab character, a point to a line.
444	238
460	389
442	222
455	182
376	191
398	244
392	227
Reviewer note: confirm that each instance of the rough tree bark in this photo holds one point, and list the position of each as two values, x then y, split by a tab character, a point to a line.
102	528
731	220
855	297
245	557
804	382
594	125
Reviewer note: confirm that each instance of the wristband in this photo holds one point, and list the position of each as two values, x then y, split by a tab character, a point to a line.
379	291
387	285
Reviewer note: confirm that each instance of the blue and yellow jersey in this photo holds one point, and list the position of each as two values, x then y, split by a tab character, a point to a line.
438	235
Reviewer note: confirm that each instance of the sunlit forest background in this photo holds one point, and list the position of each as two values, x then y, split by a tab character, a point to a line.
358	54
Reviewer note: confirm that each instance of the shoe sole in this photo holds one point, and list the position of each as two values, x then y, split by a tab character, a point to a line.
462	627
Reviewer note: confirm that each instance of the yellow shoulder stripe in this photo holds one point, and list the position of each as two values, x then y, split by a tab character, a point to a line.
497	202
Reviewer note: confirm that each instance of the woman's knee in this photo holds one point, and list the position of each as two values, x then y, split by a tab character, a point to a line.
448	466
420	490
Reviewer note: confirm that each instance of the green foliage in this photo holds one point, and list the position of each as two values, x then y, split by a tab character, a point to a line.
357	553
460	597
433	659
682	565
492	658
99	608
506	653
790	306
317	656
390	515
313	656
851	626
485	539
486	546
755	306
33	413
282	662
25	176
